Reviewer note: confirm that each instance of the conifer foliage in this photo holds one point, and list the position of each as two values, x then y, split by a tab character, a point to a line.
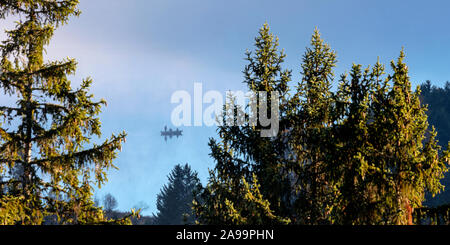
438	116
174	202
48	133
362	154
243	158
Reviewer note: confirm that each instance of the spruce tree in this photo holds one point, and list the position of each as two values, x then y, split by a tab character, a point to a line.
406	158
248	184
49	132
356	203
310	140
386	156
174	202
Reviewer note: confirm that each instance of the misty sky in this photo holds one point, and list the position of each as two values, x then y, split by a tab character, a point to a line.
139	52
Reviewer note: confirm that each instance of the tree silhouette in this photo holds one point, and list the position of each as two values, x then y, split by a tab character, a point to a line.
109	202
174	202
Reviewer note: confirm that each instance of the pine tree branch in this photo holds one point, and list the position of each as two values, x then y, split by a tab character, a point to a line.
14	137
84	156
56	68
49	8
10	182
11	4
51	106
7	83
6	160
8	109
52	132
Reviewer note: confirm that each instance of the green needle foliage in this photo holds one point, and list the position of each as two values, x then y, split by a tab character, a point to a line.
174	202
438	116
363	154
386	157
244	158
48	163
310	138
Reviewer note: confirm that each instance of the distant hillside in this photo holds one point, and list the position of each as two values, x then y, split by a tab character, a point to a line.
438	100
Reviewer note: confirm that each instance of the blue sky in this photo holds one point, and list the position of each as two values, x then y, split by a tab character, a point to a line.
139	52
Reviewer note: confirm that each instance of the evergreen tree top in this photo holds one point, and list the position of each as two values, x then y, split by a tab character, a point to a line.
52	12
264	71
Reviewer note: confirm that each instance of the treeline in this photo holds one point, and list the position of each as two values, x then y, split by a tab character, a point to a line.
174	202
368	153
363	154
